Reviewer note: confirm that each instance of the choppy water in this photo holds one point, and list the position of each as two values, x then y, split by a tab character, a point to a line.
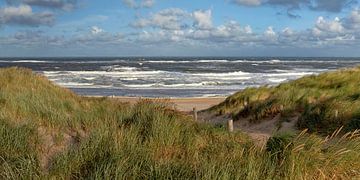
174	76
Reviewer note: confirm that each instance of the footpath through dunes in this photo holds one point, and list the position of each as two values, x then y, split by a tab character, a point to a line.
321	104
180	104
48	132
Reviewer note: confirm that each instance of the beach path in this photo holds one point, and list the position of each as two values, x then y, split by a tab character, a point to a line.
182	104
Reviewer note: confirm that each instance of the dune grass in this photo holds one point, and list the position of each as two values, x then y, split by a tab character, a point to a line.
323	103
49	132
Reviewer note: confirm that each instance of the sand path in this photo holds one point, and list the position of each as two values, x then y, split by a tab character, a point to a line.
182	104
259	132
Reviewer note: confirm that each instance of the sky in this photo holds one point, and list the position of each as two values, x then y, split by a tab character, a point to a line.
57	28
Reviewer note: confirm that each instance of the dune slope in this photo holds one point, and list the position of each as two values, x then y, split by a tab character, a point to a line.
49	132
321	103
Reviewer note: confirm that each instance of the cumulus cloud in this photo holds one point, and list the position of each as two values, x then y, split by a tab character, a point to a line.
147	3
202	19
175	19
53	4
334	26
56	4
288	32
165	19
96	30
139	4
353	21
270	34
23	15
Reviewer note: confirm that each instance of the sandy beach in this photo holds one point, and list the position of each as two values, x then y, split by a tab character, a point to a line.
182	104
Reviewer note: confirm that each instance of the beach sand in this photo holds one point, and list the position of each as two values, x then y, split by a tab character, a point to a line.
182	104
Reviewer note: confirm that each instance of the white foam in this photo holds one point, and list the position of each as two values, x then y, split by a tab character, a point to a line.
212	61
125	68
23	61
289	74
189	61
30	61
73	84
141	85
273	61
105	72
277	80
167	61
89	78
237	73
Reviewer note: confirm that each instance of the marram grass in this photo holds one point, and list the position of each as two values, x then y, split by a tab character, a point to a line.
49	132
323	103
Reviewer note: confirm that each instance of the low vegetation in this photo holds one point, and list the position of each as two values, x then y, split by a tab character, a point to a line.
322	103
49	132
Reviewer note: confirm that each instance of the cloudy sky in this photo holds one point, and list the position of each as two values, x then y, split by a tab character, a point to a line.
179	28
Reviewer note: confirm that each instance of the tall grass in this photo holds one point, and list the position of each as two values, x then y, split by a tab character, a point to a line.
105	139
325	102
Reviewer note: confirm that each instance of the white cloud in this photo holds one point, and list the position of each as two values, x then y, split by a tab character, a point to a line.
23	15
96	30
176	19
334	26
353	21
147	3
55	4
203	19
287	32
166	19
248	29
270	33
139	4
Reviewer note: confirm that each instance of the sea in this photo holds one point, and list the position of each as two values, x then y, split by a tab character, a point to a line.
174	76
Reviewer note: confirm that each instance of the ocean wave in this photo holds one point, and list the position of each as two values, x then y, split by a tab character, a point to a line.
74	84
23	61
236	73
108	73
289	74
275	80
118	68
188	61
213	60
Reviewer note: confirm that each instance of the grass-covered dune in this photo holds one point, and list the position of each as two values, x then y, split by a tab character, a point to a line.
322	103
49	132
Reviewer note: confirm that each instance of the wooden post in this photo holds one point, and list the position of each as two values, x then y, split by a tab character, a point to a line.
336	113
245	103
281	107
230	124
195	113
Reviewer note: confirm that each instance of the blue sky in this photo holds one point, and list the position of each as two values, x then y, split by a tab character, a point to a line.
179	28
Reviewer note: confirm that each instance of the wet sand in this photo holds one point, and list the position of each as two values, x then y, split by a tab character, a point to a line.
182	104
